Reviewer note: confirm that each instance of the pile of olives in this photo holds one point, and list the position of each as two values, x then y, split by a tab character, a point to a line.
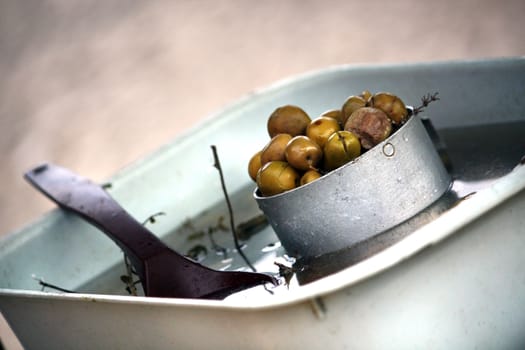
302	150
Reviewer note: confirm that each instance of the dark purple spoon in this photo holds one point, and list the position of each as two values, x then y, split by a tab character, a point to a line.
162	271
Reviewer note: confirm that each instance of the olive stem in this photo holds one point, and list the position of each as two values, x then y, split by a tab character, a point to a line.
217	165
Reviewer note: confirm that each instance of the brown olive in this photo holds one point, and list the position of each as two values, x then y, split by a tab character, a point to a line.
320	129
309	176
371	125
351	104
274	150
392	105
276	177
288	119
302	153
341	147
254	165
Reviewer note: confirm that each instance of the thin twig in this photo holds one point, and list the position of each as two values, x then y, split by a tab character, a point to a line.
286	272
49	285
217	247
251	227
211	230
151	219
217	165
130	271
425	101
129	274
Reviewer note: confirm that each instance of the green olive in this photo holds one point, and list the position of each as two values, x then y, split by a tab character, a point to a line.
288	119
309	176
274	150
366	95
276	177
320	129
254	165
351	104
341	147
335	114
392	105
303	153
371	125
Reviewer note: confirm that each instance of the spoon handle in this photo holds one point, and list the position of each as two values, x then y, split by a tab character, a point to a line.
90	201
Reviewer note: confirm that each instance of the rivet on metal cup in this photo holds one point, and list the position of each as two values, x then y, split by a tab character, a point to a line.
388	149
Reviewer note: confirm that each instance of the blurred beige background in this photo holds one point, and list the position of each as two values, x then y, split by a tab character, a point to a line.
95	85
